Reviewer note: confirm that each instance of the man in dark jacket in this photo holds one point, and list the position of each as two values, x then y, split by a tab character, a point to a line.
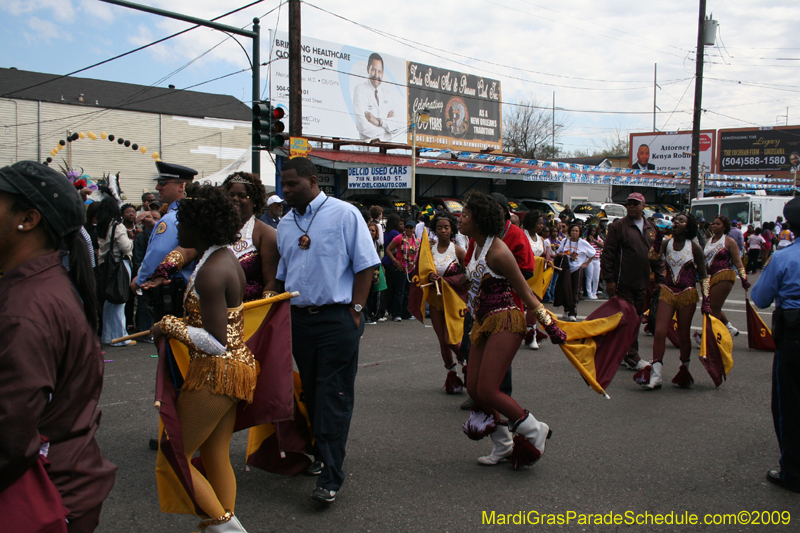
625	265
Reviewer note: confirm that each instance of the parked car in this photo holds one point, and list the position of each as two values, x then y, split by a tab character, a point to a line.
517	208
611	212
545	207
451	205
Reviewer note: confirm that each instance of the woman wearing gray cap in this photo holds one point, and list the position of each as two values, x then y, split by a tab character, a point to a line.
51	368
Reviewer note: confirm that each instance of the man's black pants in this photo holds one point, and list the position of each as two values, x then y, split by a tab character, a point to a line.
786	403
636	298
325	347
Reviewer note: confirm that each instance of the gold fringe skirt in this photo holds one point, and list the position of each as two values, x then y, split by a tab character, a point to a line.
511	320
222	375
724	275
682	299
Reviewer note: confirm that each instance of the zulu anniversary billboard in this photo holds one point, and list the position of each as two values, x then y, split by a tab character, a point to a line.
464	109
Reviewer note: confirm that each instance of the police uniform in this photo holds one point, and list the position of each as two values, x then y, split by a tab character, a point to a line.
164	237
780	281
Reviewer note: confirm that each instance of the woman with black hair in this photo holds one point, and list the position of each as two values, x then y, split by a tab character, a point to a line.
532	225
51	366
497	333
394	227
678	296
128	214
222	371
580	254
113	237
722	262
448	259
257	246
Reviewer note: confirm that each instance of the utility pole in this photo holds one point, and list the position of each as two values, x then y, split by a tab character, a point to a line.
698	96
295	71
554	124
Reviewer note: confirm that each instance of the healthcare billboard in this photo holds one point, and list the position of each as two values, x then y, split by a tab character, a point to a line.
671	151
464	110
768	150
348	92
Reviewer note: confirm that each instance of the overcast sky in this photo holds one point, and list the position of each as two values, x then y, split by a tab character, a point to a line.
595	55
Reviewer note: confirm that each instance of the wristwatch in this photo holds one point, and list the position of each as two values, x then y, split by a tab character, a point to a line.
357	307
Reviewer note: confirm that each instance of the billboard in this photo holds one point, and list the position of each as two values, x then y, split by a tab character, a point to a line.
759	150
464	109
671	151
348	92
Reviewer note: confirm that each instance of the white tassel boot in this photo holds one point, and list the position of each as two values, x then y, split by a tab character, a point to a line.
530	441
733	330
655	376
503	446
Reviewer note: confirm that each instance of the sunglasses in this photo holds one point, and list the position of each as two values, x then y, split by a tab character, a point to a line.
632	202
164	181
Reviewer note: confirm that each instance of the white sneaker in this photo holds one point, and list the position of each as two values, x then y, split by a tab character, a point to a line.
734	332
382	319
573	318
565	316
398	319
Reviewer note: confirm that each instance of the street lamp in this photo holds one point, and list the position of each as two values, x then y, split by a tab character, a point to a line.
423	115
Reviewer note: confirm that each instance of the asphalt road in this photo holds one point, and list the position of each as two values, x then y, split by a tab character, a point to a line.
410	468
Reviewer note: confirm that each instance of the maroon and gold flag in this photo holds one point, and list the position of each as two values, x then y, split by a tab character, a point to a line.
542	274
597	345
759	334
266	323
716	349
452	290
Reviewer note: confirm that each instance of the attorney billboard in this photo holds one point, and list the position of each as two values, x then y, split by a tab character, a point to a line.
759	150
464	109
670	151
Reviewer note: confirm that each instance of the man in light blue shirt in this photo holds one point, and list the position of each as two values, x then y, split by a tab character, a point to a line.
327	256
780	281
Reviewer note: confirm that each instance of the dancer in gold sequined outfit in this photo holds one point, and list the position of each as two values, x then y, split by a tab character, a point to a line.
222	371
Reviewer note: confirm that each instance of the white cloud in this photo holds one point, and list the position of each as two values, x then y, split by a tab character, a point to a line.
98	9
61	10
44	30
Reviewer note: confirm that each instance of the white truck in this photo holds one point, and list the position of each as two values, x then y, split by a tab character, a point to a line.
755	209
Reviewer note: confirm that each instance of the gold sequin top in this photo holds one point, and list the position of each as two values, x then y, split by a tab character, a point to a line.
233	373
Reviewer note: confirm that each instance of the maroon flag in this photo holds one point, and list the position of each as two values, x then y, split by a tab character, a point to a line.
716	349
612	347
266	328
759	336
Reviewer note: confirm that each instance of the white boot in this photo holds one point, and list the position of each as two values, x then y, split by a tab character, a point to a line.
733	330
534	344
503	446
655	376
232	525
536	432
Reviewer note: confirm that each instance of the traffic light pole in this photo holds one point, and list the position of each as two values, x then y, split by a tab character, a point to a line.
255	35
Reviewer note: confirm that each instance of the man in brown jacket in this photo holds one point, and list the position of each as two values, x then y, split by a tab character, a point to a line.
625	266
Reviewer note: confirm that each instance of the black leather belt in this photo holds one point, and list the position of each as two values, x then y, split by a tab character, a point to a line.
315	310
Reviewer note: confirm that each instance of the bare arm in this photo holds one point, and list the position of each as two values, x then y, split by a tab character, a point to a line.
390	250
267	243
733	249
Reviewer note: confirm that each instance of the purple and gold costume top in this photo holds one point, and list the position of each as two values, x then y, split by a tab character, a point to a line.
719	263
248	256
679	289
491	300
232	373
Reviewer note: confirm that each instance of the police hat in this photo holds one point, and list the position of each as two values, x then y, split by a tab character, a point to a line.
792	212
174	172
50	192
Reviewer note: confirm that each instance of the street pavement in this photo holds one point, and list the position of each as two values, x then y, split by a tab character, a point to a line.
410	468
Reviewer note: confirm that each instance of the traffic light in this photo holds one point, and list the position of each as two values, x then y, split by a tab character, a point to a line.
267	126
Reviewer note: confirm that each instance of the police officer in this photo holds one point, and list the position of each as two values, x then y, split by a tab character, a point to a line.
780	281
171	186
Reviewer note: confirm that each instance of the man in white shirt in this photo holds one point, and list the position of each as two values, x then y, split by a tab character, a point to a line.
373	106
